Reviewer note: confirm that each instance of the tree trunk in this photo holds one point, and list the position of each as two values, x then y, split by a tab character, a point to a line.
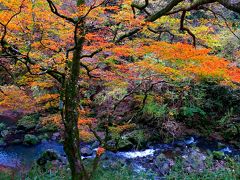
71	104
70	113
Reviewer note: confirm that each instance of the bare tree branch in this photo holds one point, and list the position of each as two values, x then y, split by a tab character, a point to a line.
160	31
128	34
5	25
163	11
92	54
140	7
183	28
55	11
7	71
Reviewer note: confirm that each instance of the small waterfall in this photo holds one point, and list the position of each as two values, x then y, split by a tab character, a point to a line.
226	150
135	154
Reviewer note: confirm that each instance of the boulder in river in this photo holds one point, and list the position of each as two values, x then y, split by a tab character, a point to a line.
43	137
30	139
86	151
56	136
48	155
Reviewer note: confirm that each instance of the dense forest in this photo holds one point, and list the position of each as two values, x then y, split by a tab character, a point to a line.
119	89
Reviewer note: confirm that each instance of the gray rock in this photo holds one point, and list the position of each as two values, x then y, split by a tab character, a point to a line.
4	133
163	164
85	151
194	160
111	145
2	126
112	164
64	160
56	136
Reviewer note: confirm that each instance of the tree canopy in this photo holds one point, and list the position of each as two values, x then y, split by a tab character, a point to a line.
96	61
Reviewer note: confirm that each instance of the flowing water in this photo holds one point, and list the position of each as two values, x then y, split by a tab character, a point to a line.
18	155
21	155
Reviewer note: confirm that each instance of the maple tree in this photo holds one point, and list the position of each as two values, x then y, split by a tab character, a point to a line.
71	45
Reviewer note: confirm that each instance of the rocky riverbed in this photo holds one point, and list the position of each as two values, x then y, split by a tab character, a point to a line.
158	158
24	142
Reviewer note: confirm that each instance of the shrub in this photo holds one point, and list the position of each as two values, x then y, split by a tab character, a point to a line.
230	171
28	122
30	139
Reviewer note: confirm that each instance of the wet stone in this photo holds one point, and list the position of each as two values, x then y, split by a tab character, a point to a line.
86	151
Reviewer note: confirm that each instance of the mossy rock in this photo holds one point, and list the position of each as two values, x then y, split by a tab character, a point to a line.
30	139
160	158
220	145
49	155
43	136
218	155
2	126
111	145
28	122
51	127
124	145
16	141
4	133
